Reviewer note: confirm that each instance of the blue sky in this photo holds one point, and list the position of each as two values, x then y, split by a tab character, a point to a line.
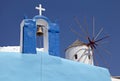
106	14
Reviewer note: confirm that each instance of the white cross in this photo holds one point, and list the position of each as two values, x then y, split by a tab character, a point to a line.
40	9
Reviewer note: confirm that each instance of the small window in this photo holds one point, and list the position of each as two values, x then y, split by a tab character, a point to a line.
76	56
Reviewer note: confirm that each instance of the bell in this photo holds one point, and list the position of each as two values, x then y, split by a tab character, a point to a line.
39	31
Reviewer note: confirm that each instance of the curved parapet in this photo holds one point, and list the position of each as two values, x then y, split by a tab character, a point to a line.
44	67
41	17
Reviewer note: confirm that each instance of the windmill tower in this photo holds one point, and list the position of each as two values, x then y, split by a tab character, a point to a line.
84	52
80	52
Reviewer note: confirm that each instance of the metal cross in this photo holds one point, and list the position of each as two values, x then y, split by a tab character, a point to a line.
40	9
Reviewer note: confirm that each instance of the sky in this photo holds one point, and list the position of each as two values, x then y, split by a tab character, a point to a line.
106	14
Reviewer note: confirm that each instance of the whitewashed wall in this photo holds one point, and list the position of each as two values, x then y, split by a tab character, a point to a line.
82	53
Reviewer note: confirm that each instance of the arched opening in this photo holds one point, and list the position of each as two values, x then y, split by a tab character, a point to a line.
39	36
41	33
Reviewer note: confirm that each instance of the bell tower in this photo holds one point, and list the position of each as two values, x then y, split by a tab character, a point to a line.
39	26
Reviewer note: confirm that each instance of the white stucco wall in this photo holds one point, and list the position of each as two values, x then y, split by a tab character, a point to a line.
15	49
82	54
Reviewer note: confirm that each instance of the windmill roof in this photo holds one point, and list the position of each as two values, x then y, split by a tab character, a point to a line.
76	43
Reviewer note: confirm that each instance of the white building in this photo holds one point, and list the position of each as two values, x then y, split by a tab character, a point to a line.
79	52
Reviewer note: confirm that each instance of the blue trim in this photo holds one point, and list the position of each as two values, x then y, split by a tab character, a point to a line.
54	41
29	36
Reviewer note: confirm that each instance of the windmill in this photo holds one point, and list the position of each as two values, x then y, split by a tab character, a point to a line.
84	52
